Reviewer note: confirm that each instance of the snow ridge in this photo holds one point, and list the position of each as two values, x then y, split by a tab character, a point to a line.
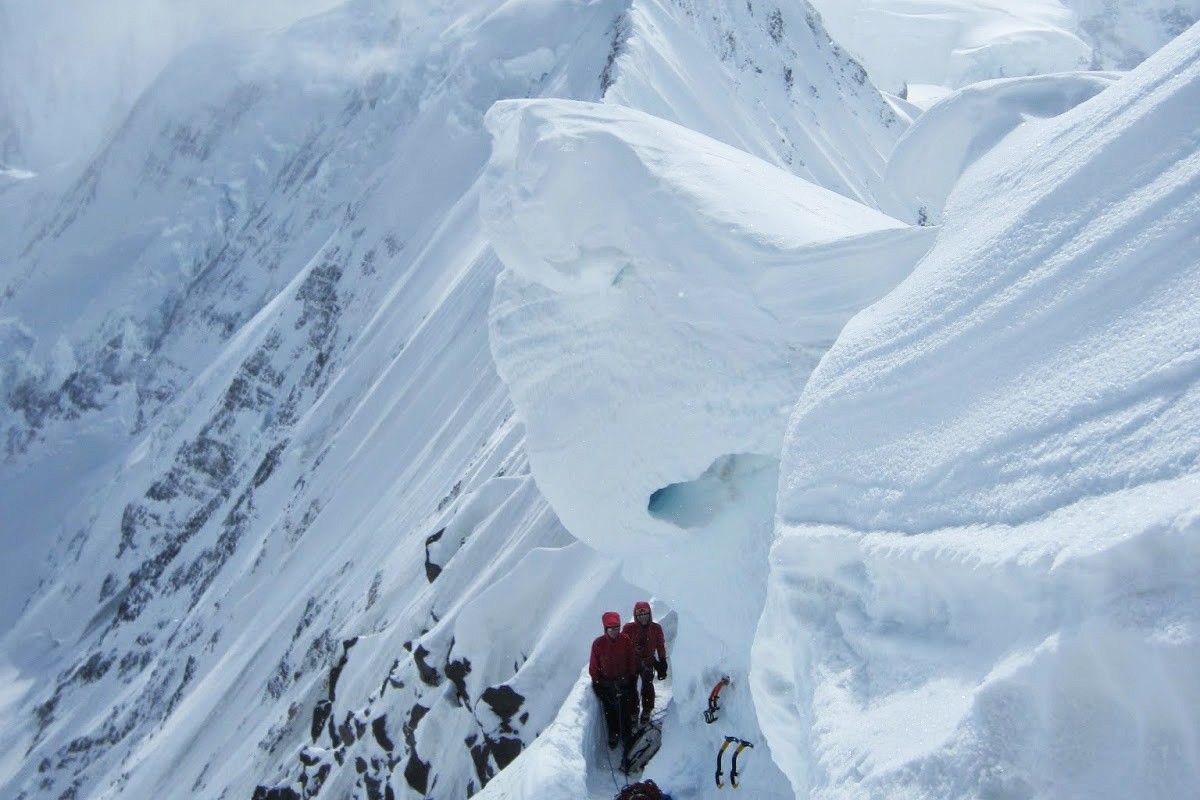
1011	563
373	354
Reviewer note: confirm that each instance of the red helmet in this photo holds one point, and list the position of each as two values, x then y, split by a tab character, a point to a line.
611	619
640	605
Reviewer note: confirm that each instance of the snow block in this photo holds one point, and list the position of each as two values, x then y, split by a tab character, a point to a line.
629	316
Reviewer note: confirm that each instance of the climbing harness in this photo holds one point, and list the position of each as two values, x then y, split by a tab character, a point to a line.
710	714
742	744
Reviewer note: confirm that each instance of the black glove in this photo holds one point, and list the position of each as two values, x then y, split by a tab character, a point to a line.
661	668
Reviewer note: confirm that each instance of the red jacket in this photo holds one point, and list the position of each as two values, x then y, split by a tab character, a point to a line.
612	659
648	639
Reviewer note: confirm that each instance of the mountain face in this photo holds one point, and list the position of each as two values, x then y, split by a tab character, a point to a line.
271	272
69	74
372	357
270	214
951	44
1123	35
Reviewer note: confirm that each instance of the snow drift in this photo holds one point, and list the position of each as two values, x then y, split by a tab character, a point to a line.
740	275
984	582
933	153
663	300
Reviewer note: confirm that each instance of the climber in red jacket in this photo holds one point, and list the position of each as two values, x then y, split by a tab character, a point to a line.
613	668
651	650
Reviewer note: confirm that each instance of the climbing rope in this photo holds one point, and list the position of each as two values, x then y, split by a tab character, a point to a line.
620	738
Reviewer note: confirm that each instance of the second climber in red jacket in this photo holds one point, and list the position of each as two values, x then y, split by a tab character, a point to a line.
650	647
613	668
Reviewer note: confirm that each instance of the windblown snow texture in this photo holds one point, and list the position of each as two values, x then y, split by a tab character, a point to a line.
1014	567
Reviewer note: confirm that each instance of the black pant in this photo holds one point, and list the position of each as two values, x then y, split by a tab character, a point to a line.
647	676
619	702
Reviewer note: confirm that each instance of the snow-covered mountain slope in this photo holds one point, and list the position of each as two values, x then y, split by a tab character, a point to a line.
932	154
69	73
805	105
911	45
301	438
1122	34
996	595
231	178
271	524
271	409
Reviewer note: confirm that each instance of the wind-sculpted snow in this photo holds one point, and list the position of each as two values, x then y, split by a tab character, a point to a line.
298	546
664	298
666	245
953	43
984	580
945	140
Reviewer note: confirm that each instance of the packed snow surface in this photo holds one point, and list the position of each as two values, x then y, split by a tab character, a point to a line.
985	578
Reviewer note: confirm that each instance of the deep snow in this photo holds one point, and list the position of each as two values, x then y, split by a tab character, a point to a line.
1018	560
372	357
